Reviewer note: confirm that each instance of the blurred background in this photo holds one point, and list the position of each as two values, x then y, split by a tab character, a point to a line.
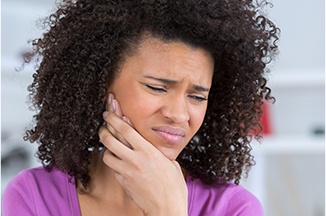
289	177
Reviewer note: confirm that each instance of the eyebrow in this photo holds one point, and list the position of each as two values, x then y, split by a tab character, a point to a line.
171	82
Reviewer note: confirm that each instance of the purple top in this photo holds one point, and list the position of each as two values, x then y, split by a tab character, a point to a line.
38	192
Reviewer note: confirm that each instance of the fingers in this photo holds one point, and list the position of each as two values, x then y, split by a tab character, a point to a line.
112	160
113	144
114	107
121	127
126	131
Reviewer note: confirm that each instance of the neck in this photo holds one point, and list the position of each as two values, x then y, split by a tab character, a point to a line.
103	183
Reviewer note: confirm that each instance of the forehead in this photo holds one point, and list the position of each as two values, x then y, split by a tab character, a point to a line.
166	49
171	58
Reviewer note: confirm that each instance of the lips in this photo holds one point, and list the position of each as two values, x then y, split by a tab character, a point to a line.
170	134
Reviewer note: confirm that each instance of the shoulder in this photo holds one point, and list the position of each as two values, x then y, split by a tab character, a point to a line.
242	202
32	191
224	199
36	179
39	173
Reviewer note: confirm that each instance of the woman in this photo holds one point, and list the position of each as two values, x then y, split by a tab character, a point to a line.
146	108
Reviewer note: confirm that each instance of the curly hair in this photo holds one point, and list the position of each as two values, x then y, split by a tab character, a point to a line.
86	40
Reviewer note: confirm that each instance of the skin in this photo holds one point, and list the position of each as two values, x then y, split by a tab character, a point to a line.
179	75
155	106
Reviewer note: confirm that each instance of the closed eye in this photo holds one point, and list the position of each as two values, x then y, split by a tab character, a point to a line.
155	88
198	98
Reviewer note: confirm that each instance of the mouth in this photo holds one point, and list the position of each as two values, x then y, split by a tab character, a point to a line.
170	134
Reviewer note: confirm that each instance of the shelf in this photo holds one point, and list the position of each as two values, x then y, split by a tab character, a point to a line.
293	79
290	145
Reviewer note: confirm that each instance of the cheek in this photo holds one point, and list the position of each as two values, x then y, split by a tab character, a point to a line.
126	95
197	118
139	111
135	106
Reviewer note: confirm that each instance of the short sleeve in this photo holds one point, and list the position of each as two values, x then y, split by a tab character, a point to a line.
18	197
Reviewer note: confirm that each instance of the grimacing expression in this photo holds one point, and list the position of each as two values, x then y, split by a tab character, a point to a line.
163	89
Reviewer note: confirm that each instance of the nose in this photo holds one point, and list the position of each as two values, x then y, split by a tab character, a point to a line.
176	110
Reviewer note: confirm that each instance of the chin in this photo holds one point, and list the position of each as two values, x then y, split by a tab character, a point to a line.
169	153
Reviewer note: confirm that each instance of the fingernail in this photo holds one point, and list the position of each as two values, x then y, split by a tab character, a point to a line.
109	101
113	106
105	114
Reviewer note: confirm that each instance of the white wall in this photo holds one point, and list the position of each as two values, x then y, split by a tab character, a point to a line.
18	19
298	78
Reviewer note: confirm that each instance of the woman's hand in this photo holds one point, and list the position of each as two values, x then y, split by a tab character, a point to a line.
155	183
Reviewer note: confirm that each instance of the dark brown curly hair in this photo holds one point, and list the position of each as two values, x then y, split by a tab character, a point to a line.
86	41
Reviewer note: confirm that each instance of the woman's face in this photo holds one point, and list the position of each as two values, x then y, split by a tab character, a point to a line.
163	90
